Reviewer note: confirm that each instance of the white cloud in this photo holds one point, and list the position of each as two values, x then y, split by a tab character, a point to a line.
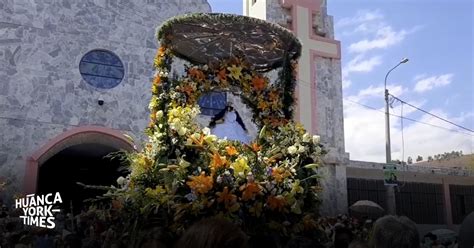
365	134
429	83
384	37
359	64
346	83
361	16
377	92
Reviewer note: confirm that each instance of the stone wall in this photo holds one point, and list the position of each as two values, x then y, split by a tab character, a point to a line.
42	93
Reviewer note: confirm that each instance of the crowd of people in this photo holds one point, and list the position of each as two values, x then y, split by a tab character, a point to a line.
89	229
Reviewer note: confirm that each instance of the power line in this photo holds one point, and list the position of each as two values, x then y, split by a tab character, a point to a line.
426	112
406	118
308	85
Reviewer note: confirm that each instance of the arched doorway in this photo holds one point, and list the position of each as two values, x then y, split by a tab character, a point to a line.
78	155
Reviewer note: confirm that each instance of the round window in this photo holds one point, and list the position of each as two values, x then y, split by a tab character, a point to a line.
101	69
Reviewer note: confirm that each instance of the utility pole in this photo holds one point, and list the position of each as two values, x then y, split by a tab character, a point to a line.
390	189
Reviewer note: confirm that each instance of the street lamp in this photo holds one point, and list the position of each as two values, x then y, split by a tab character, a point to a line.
387	120
391	203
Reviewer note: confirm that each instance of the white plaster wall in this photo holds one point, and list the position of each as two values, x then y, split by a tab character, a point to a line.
258	9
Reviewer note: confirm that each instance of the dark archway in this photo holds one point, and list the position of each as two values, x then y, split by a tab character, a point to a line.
86	163
76	155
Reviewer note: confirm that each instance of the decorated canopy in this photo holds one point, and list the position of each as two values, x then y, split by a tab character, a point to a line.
211	38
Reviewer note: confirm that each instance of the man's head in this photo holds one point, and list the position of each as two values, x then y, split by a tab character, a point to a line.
395	232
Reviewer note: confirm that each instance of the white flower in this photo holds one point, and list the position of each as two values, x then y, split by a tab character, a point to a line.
159	114
301	149
250	177
316	139
306	137
182	131
206	131
121	181
210	138
318	149
292	149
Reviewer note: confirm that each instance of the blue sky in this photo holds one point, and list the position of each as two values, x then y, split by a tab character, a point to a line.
437	37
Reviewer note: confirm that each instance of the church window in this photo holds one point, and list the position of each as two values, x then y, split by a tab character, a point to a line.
101	69
212	103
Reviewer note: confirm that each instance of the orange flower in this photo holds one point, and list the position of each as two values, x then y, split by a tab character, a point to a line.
157	80
249	191
231	151
217	162
276	121
227	197
196	73
279	174
258	83
262	105
222	75
188	90
255	147
153	116
199	141
276	202
200	184
273	96
117	204
162	50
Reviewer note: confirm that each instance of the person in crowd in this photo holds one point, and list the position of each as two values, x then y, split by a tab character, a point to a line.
343	237
395	232
213	233
358	244
228	124
466	232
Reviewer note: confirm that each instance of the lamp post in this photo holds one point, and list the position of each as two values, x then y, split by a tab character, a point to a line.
391	202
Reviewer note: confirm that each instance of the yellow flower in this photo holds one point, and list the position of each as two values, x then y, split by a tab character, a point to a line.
200	184
296	188
235	71
159	190
247	77
240	167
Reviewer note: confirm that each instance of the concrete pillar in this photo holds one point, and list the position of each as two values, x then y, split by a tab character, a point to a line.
448	214
334	195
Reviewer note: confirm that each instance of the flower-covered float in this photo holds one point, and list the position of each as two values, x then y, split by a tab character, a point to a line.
184	173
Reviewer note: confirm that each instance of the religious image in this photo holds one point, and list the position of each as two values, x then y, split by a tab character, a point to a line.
228	124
